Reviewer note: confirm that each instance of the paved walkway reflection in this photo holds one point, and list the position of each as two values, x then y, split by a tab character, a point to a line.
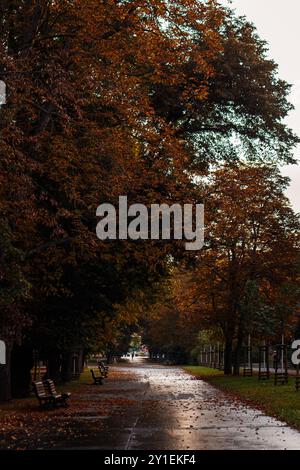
170	410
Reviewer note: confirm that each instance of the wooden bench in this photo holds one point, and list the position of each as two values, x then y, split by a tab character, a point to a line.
103	372
58	398
264	375
281	378
98	380
103	368
47	395
44	397
247	372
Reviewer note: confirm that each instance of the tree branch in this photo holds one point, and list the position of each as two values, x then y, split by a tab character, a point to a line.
47	245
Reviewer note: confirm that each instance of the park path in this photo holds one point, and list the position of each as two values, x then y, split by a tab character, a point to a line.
168	409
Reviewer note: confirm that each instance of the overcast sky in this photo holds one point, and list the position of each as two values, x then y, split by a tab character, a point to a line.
277	22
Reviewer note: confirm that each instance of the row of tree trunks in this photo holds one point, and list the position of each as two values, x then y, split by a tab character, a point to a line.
61	367
53	366
15	375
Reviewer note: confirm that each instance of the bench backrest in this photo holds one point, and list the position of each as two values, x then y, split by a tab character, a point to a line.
51	387
102	364
39	389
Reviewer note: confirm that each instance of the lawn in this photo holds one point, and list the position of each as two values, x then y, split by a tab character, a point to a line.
282	401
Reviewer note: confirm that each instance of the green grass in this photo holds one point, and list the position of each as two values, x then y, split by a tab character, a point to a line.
282	401
85	378
199	371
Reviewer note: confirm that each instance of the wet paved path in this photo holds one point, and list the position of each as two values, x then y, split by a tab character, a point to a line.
168	409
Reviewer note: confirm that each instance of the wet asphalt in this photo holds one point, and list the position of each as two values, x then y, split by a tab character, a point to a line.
164	408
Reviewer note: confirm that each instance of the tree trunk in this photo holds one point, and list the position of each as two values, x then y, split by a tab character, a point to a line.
228	357
81	361
5	376
21	365
109	357
53	369
67	366
237	356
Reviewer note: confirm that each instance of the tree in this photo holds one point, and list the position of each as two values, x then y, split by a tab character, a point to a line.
242	115
251	253
171	329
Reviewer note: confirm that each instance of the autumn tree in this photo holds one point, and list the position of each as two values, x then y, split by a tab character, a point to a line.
246	278
79	128
171	328
250	258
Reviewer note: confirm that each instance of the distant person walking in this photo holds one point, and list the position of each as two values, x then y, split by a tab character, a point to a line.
132	356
